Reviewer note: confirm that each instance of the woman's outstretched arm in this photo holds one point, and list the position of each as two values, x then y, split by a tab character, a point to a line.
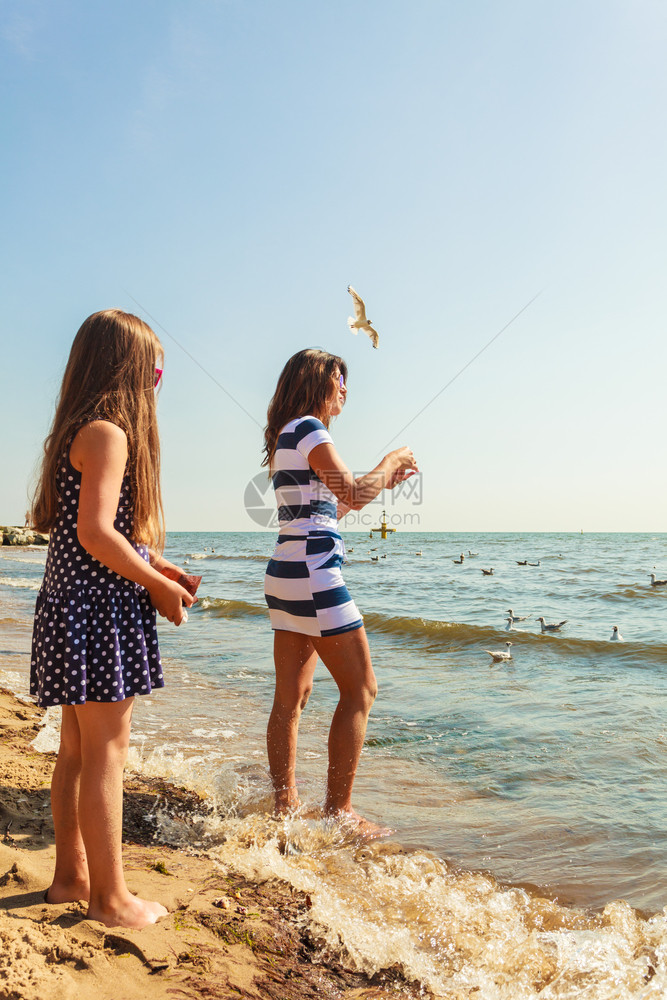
352	493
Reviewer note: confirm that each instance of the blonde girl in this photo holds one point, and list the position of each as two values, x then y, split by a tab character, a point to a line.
311	611
94	639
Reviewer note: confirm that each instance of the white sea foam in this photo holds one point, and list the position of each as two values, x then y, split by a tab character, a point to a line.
214	734
211	776
20	582
34	560
458	933
374	905
14	682
48	737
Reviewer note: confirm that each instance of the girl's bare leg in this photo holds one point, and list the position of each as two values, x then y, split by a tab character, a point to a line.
105	736
348	659
70	879
295	661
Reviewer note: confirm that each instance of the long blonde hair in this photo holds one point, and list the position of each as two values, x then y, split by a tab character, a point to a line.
304	387
110	375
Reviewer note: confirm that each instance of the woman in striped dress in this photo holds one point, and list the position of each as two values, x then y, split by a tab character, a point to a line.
311	611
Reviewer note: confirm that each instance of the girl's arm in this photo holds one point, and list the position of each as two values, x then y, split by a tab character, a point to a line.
161	564
171	571
99	452
352	493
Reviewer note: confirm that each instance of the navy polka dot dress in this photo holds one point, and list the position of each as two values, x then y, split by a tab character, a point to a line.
94	637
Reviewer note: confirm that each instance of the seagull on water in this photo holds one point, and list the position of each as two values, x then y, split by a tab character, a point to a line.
459	561
499	655
533	564
510	626
657	583
524	563
488	572
517	618
472	554
360	322
616	635
554	627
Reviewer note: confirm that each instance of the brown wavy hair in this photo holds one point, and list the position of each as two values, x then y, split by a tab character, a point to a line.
110	375
304	387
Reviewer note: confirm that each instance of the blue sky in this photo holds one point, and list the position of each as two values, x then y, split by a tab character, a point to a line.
232	166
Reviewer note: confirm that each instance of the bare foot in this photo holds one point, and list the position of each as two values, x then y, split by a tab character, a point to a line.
131	911
287	800
67	892
362	827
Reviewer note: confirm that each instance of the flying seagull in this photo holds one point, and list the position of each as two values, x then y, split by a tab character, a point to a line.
551	628
360	322
499	655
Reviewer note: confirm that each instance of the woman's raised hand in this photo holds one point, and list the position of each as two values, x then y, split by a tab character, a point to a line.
405	466
168	598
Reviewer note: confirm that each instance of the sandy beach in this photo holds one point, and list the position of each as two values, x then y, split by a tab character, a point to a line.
225	936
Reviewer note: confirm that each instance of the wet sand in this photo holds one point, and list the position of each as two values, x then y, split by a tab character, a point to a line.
225	936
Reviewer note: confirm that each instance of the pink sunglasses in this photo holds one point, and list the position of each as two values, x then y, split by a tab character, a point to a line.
158	376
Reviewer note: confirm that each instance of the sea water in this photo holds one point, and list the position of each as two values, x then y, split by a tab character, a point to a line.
528	798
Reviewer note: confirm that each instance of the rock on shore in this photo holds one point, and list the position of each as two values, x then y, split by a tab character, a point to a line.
13	535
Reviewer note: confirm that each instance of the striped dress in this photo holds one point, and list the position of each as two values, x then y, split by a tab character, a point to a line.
304	586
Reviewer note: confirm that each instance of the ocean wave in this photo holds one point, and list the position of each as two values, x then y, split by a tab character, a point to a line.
22	559
16	683
20	582
462	635
633	593
10	620
234	558
461	934
432	632
220	607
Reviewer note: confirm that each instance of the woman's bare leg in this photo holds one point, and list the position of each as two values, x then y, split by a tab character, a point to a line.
70	879
105	736
348	659
295	661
